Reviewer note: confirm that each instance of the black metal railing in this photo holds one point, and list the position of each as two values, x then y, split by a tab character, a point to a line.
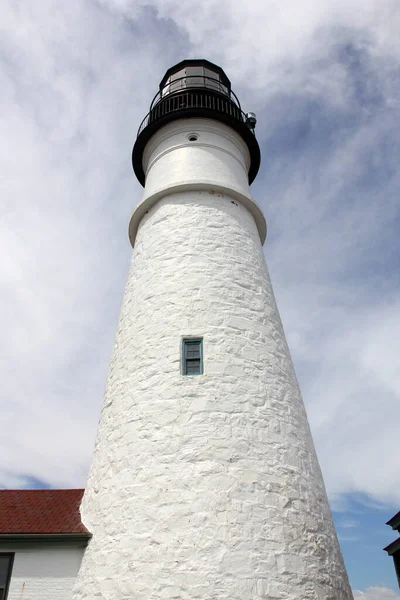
193	95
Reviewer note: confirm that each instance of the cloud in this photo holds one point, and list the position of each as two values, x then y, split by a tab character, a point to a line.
348	523
272	47
376	593
67	193
323	78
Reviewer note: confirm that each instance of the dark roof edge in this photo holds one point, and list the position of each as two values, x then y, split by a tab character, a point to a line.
40	490
46	539
393	547
394	522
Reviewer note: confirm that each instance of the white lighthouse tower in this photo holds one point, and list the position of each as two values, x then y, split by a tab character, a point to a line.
204	483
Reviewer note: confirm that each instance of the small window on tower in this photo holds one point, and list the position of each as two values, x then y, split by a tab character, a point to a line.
192	356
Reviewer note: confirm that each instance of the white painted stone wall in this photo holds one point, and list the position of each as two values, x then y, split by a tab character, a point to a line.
44	573
217	161
205	487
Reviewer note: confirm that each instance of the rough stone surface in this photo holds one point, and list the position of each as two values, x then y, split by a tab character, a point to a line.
205	487
44	573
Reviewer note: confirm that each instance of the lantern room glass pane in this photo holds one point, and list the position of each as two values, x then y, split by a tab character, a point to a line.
194	76
213	81
177	81
174	83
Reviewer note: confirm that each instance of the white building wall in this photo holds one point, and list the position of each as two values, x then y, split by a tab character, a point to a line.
44	573
205	487
217	161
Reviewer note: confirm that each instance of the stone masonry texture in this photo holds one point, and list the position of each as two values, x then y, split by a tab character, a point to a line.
205	487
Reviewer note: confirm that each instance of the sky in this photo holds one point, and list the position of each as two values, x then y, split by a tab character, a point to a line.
323	77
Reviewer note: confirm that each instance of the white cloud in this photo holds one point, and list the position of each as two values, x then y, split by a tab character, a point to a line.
376	593
323	78
67	192
274	46
347	523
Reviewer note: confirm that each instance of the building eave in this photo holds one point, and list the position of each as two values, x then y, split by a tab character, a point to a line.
393	547
8	540
394	522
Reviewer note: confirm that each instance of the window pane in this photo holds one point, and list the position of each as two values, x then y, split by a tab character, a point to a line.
193	367
193	344
193	70
4	568
195	363
211	74
212	80
193	352
177	83
195	76
178	74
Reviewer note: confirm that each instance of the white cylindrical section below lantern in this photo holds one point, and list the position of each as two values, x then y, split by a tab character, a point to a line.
204	487
196	154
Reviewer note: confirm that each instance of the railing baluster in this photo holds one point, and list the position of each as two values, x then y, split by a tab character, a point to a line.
210	96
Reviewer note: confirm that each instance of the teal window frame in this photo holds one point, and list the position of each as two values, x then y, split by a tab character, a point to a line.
186	359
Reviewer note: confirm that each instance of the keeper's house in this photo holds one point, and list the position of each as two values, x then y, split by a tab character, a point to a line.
42	540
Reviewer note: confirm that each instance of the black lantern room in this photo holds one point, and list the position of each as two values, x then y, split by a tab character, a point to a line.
196	88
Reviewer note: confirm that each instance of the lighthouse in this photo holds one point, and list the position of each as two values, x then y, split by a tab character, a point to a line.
204	483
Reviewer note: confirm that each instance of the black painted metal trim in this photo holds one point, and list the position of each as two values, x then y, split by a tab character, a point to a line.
190	113
13	540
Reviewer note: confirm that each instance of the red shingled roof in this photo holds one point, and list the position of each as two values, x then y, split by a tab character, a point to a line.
41	512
